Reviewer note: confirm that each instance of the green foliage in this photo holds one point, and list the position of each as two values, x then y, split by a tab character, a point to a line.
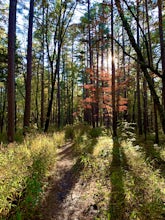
76	131
23	167
84	138
126	131
59	138
144	187
95	132
69	132
3	137
126	185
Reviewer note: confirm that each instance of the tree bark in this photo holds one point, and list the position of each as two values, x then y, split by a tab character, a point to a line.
145	110
162	48
114	119
139	118
52	89
90	57
142	65
29	69
58	95
11	70
151	64
43	66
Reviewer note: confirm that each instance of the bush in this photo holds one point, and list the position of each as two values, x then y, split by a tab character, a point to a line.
59	138
95	132
69	132
76	131
127	130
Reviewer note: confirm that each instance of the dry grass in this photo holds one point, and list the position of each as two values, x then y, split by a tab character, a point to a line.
23	166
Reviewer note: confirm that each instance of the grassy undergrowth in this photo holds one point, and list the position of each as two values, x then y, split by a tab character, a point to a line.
23	168
128	185
144	186
126	176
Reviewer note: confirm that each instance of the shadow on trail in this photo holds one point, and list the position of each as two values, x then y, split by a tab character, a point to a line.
117	200
61	184
66	152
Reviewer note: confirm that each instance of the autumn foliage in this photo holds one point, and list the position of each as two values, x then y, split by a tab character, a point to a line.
98	94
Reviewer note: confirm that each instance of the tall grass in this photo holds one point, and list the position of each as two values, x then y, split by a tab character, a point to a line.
23	167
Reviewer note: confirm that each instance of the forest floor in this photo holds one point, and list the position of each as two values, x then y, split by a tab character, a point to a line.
67	196
112	180
83	174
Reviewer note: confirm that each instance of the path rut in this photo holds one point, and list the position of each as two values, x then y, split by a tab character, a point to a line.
67	197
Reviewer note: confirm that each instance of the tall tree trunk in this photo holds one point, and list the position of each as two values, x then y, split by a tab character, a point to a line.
11	70
118	81
29	69
139	117
97	85
133	108
156	125
114	122
145	110
162	47
142	64
49	108
53	88
151	63
151	120
37	92
58	99
102	70
43	68
52	75
90	57
72	84
124	72
59	34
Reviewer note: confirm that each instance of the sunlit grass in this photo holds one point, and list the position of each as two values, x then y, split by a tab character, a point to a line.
96	156
59	138
104	144
122	177
144	187
126	183
23	167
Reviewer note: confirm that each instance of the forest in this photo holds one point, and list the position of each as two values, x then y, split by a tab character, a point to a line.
82	110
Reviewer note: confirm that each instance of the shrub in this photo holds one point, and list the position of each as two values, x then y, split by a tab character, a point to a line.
69	132
95	132
127	131
59	138
74	132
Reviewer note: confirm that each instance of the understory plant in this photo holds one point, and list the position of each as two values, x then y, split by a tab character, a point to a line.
23	168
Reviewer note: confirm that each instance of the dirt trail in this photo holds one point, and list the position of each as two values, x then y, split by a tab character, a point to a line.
67	196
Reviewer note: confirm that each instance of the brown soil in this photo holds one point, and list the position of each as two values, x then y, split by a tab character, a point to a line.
68	196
